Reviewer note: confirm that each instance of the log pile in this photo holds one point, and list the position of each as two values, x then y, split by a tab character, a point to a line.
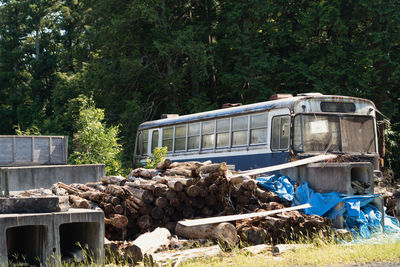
153	198
160	197
279	228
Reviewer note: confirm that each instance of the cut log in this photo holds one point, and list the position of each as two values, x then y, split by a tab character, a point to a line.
175	184
159	179
253	235
192	191
117	220
118	180
159	190
132	204
115	200
98	186
95	196
78	202
161	202
170	194
108	208
145	173
148	243
178	171
224	232
216	167
145	195
137	200
118	209
115	190
69	189
137	183
266	196
249	184
164	164
203	192
185	181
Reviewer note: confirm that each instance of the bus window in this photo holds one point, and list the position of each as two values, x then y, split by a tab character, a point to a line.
154	140
316	133
194	136
239	130
167	137
208	137
355	127
223	133
258	128
145	142
180	138
280	133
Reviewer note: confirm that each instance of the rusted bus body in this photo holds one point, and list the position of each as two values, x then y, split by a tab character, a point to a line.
267	133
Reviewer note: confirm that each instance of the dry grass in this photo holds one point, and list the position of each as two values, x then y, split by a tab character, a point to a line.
317	255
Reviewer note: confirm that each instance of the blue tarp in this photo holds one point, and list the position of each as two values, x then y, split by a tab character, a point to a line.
279	184
360	217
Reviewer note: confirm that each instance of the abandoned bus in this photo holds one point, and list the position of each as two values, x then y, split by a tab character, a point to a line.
267	133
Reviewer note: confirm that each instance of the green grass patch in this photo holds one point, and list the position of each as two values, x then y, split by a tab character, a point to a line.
317	255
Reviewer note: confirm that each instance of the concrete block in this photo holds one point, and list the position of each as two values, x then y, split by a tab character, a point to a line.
41	204
34	177
48	237
328	177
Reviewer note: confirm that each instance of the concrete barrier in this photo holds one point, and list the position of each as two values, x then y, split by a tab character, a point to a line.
22	150
48	238
32	177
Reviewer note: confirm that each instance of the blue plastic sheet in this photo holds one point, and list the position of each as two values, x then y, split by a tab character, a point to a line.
279	184
360	218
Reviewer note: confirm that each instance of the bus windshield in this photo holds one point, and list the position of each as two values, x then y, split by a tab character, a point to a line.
320	133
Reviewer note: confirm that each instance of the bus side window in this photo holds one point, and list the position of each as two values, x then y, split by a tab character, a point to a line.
239	130
167	138
280	133
180	138
258	128
154	140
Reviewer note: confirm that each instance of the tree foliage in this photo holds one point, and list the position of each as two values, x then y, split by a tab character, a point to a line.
93	141
142	58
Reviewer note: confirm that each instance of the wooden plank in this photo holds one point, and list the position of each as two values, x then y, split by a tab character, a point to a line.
289	164
228	218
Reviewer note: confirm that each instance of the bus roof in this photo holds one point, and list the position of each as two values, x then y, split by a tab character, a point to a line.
250	108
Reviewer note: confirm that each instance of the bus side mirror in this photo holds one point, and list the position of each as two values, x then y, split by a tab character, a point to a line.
380	125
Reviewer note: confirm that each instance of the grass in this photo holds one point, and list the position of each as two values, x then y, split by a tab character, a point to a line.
317	255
